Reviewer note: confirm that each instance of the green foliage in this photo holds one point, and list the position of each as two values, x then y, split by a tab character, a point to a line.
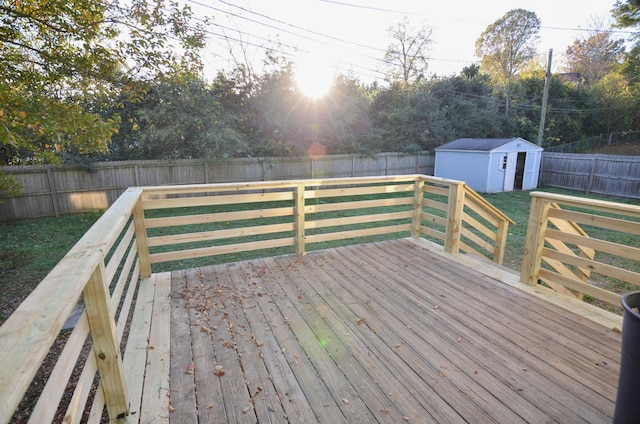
627	13
55	55
178	117
435	112
508	43
570	110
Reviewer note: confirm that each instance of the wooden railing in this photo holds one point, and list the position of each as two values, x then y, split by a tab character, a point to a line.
111	267
102	268
573	245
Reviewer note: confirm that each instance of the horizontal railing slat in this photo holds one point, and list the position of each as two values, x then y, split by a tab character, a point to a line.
617	249
222	199
211	218
221	250
579	286
609	223
220	234
358	219
341	235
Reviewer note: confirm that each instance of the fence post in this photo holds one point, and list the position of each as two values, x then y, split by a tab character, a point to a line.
593	170
54	192
417	208
454	218
141	239
105	344
536	228
300	215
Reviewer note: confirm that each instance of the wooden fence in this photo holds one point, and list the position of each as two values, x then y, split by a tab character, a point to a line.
610	175
57	190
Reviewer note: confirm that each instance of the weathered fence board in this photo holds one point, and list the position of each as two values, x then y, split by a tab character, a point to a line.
610	175
55	190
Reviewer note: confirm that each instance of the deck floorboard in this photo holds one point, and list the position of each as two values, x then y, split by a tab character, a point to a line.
381	332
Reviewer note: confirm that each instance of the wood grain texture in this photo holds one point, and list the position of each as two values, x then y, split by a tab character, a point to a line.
383	332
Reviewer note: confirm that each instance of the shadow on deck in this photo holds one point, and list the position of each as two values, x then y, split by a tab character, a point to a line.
385	332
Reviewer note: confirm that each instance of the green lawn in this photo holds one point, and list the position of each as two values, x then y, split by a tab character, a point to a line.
29	249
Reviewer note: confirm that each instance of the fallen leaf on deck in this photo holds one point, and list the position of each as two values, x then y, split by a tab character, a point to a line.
205	330
259	343
191	368
210	406
405	418
398	345
247	409
436	307
345	401
360	321
218	370
171	408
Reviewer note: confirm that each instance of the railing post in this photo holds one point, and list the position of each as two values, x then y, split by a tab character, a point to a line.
299	211
454	218
501	241
536	228
417	208
141	239
105	344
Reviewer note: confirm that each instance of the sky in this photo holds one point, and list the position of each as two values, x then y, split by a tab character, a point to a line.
326	37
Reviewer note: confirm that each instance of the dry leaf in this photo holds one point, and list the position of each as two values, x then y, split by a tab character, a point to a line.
360	321
385	410
441	374
405	418
191	368
398	345
171	408
259	343
218	370
205	330
248	408
345	401
459	339
436	307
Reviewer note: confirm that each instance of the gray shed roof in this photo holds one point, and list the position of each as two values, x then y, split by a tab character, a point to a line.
477	144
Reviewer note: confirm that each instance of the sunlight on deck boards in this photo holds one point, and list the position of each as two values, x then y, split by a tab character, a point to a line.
382	332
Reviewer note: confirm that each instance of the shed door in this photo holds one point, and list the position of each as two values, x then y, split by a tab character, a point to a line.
510	171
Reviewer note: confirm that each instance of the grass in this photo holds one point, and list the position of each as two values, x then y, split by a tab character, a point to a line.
29	249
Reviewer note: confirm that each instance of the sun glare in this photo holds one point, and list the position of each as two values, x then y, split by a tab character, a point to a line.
313	77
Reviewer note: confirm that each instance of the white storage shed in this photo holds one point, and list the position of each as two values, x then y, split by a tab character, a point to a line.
490	165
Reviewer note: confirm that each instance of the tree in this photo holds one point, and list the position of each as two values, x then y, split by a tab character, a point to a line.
615	99
179	117
54	55
406	57
595	55
627	15
507	45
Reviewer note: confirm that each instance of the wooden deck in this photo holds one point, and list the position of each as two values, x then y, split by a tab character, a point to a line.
383	332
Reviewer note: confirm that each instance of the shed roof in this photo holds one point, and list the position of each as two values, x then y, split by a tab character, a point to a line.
480	144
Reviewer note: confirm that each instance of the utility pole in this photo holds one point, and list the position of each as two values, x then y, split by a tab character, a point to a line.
545	99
